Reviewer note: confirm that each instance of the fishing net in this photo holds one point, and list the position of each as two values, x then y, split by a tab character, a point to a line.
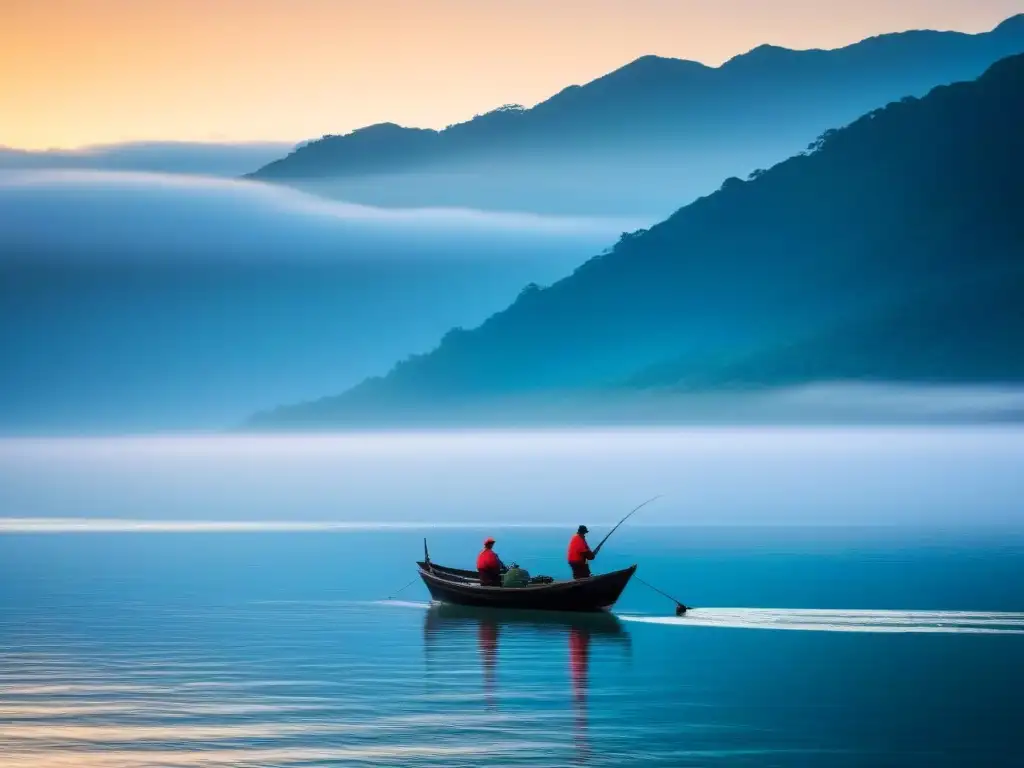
515	577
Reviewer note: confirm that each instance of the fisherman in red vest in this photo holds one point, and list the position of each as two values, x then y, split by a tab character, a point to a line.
579	553
489	565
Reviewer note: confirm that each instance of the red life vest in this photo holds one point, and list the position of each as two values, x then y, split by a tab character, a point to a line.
487	561
579	550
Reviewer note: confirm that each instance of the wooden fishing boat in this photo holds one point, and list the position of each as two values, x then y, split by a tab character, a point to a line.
461	587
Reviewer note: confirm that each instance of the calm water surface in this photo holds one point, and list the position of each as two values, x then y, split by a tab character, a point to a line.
834	644
282	649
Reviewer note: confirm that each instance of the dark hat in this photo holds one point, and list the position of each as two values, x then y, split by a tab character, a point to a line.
582	530
488	541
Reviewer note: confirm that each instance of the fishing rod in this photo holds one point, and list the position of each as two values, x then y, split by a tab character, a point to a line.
680	607
621	522
392	597
426	561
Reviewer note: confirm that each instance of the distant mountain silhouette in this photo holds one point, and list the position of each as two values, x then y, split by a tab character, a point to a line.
645	138
892	250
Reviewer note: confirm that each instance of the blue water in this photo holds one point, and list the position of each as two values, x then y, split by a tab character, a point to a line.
806	647
223	601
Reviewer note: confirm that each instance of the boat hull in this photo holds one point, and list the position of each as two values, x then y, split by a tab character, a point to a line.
459	587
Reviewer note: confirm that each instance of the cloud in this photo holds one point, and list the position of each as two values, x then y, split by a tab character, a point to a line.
145	215
173	300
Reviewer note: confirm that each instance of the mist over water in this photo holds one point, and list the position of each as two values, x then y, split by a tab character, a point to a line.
208	158
645	185
146	301
100	215
716	476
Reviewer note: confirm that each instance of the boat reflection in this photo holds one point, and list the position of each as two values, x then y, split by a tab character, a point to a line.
487	639
444	623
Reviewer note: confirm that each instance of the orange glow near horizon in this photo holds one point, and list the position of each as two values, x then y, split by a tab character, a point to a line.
80	72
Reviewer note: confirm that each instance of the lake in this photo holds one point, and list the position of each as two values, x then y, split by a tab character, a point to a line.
221	601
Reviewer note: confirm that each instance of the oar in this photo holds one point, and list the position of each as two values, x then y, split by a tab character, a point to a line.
621	522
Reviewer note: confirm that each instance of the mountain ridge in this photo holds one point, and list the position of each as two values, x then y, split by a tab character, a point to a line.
855	227
643	138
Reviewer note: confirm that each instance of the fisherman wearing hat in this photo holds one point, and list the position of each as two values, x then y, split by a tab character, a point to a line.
579	553
489	565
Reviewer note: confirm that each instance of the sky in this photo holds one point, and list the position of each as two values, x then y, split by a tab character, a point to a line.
81	72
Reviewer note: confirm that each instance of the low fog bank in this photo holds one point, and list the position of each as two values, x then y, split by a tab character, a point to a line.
848	402
99	215
907	401
645	187
959	476
815	403
206	158
139	302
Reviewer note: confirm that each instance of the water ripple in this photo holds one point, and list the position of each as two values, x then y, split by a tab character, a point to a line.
963	622
244	680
